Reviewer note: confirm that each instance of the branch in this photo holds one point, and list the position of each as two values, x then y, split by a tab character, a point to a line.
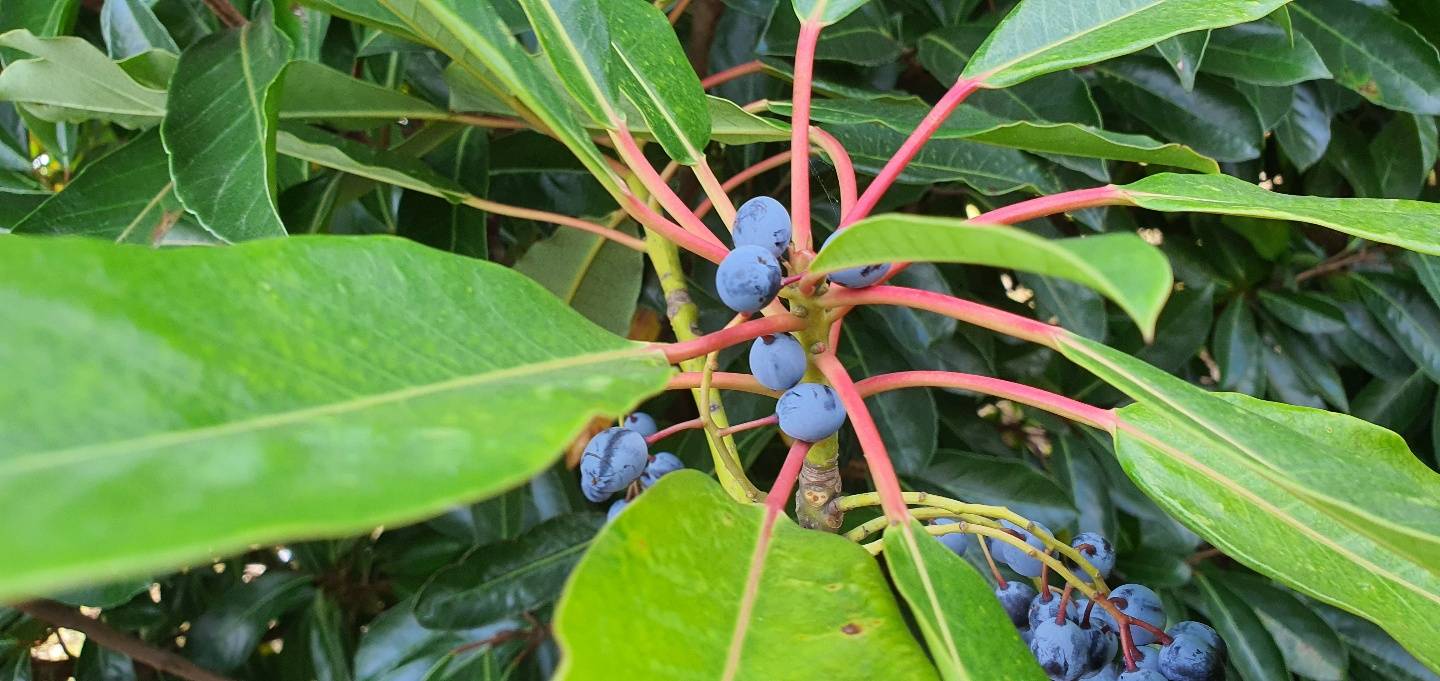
645	215
1064	202
983	316
617	236
1059	405
710	342
226	13
1336	264
800	133
103	634
717	79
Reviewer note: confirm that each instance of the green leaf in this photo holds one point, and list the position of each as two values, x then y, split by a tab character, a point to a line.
998	480
1372	648
371	13
1213	119
1272	486
598	277
47	18
1123	267
227	634
1394	404
1310	647
1261	53
473	34
1058	97
219	129
575	38
130	27
1373	53
1238	349
964	626
395	647
907	419
1184	53
826	12
1411	318
685	596
657	78
732	125
125	196
1304	133
346	426
68	80
346	155
1408	224
1042	36
435	221
508	578
990	170
1403	154
1068	304
903	115
314	92
1250	647
1303	311
324	635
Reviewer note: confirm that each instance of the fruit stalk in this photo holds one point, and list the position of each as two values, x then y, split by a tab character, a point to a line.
844	168
983	316
800	133
734	335
873	446
1054	204
655	184
1059	405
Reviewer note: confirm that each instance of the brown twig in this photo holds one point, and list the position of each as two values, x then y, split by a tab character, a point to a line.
226	13
1337	263
61	615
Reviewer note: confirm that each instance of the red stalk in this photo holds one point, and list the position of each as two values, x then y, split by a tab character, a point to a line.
734	335
1064	202
785	482
922	134
983	316
714	252
844	169
679	427
690	380
717	79
1159	633
744	176
749	425
635	158
886	482
800	133
1059	405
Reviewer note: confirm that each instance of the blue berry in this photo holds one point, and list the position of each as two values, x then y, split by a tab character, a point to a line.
748	278
955	541
1044	607
1140	603
810	412
662	464
1015	598
1104	643
1097	551
1017	559
1109	672
641	423
764	222
613	459
778	361
858	277
1189	658
1142	675
1148	657
1060	649
1201	631
615	509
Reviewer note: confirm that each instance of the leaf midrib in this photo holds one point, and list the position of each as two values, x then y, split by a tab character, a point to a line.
1356	46
41	460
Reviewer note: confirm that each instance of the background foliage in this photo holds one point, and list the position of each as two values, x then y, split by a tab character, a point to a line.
1332	98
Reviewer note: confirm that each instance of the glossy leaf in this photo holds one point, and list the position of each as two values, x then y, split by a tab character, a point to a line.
68	80
1184	53
598	277
657	78
685	582
575	38
1372	648
964	626
1238	349
1261	53
826	12
1305	312
1310	647
226	635
990	170
1058	97
1247	642
1213	118
314	92
1409	224
130	27
126	196
1123	267
1304	133
1041	36
332	437
46	18
346	155
509	578
219	130
1412	320
907	419
396	647
998	480
1373	53
435	221
902	115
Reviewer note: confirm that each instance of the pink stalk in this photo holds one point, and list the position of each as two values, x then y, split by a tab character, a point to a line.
744	176
785	482
734	335
562	220
983	316
714	252
1059	405
717	79
634	158
873	446
800	133
677	428
690	380
749	425
922	134
844	169
1064	202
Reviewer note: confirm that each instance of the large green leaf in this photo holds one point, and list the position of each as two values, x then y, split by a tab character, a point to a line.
598	277
1212	118
1059	97
124	196
964	626
1409	224
1310	647
575	38
1261	53
1042	36
346	155
69	80
826	12
903	115
130	27
314	92
657	78
1121	266
998	480
1411	319
473	34
1273	486
219	129
1373	53
1249	646
367	12
43	17
357	381
671	589
990	170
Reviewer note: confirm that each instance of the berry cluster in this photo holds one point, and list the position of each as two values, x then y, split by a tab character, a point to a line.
619	459
1075	638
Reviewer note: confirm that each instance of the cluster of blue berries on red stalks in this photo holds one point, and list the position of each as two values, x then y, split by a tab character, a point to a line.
1074	638
619	459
